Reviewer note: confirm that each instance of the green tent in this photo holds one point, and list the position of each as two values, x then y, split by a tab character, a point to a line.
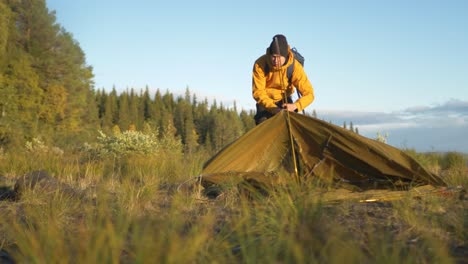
321	150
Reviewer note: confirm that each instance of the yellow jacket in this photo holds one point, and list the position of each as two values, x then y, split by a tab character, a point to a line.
269	88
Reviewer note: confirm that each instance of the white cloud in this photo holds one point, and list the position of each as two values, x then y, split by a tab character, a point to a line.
451	106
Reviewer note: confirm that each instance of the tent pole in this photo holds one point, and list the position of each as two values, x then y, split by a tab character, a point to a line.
293	150
285	101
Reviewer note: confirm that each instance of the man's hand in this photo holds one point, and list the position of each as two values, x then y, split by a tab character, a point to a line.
276	110
290	107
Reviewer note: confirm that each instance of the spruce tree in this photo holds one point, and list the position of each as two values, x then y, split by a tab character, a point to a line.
147	105
124	116
135	115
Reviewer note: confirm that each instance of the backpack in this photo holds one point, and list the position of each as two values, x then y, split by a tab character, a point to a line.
297	57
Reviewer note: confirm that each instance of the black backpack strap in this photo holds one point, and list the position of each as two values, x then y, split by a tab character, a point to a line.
290	71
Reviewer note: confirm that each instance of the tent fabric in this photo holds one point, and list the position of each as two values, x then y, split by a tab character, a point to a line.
322	150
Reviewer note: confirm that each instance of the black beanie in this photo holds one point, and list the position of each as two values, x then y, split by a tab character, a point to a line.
279	45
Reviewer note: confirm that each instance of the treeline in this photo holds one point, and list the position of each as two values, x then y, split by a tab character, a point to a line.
196	123
47	91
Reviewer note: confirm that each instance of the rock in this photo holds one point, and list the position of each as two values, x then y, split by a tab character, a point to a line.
6	189
41	180
7	193
5	258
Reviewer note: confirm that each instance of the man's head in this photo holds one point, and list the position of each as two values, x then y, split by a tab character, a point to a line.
279	50
279	46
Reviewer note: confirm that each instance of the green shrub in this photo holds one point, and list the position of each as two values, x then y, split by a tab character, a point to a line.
430	160
36	145
454	168
131	142
453	160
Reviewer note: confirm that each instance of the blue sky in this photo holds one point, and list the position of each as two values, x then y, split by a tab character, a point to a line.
399	67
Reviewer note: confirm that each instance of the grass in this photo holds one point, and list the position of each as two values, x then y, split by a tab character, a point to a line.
131	210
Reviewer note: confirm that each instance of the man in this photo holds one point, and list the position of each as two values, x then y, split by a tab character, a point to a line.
271	87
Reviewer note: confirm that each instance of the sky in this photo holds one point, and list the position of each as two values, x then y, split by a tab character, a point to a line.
391	67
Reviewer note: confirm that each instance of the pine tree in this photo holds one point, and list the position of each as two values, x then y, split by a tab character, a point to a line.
187	95
21	78
108	108
147	105
100	98
247	120
114	105
135	115
168	101
179	117
201	120
194	102
109	117
124	117
158	108
190	136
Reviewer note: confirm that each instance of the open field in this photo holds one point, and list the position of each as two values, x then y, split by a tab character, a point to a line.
136	210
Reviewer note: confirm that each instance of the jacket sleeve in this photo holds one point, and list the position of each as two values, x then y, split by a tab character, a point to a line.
302	83
259	92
